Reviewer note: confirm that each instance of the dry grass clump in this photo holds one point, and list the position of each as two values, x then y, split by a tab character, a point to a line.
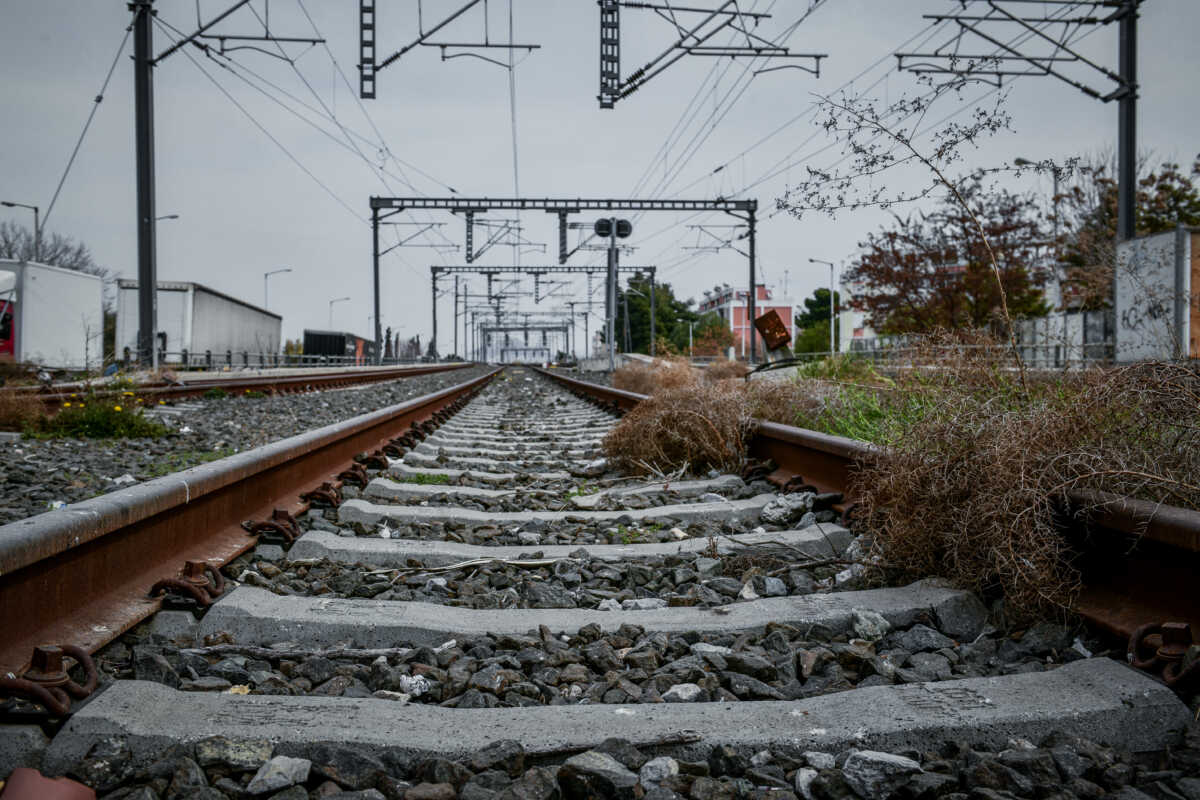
972	486
647	378
724	368
785	402
19	410
698	426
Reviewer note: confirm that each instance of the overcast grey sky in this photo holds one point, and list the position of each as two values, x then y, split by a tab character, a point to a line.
246	206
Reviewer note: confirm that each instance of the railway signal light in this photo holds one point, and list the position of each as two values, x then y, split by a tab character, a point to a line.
604	227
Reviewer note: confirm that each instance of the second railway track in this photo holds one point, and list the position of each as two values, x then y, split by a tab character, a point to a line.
483	608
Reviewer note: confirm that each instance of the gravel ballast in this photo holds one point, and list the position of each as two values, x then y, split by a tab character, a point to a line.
38	474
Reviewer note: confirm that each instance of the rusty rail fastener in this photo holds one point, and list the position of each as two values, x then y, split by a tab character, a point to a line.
796	483
199	580
1169	650
394	449
355	474
325	495
759	471
376	460
281	527
47	683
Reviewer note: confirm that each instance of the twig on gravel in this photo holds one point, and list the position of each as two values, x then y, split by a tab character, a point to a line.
479	562
808	561
268	653
683	737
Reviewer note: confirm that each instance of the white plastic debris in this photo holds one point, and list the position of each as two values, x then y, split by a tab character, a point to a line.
415	685
56	505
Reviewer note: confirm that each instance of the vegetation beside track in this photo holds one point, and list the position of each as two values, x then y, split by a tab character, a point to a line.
976	467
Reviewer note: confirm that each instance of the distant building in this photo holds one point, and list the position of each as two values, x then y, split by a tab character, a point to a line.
196	319
733	306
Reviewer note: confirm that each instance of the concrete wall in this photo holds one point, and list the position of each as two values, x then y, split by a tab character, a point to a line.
60	315
1154	303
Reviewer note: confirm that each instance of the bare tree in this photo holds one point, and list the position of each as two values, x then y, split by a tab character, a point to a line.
880	139
17	242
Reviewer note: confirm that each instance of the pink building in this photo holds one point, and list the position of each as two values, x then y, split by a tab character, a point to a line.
732	305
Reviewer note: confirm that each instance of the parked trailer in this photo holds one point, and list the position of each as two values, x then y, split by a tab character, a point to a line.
50	316
339	344
194	319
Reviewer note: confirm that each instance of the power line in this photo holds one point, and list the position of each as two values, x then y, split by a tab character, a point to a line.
87	124
775	170
166	30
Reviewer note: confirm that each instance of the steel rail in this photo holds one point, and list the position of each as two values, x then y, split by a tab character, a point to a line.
262	383
1143	557
82	575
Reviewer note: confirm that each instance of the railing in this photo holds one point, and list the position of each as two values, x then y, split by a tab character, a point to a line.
244	359
1047	355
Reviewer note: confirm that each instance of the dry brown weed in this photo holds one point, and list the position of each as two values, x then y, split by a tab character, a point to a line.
19	410
647	378
723	368
973	490
699	426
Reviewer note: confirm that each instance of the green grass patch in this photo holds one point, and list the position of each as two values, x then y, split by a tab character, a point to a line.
98	418
215	393
425	479
174	462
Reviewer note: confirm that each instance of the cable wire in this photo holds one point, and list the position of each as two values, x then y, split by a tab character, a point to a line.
88	123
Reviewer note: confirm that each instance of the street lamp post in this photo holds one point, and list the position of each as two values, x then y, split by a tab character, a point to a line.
1056	174
832	349
267	275
331	302
37	228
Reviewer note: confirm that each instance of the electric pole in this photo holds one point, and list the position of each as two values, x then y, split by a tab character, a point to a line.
143	101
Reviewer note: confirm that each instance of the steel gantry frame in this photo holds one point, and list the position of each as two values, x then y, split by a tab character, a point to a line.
1009	61
487	330
491	272
692	41
368	25
744	210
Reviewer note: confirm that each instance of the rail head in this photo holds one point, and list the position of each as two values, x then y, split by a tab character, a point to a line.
48	534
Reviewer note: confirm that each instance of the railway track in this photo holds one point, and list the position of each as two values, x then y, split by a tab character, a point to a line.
1140	559
288	381
469	603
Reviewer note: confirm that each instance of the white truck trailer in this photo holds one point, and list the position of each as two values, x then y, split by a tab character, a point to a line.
50	316
195	319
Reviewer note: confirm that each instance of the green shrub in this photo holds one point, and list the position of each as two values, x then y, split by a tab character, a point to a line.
93	417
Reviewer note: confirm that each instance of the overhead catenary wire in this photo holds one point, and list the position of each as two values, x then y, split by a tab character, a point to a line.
332	116
262	128
87	124
775	170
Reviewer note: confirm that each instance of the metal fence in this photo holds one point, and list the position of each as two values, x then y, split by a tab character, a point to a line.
244	359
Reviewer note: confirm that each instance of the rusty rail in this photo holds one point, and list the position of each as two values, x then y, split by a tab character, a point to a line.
161	390
83	575
1141	559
